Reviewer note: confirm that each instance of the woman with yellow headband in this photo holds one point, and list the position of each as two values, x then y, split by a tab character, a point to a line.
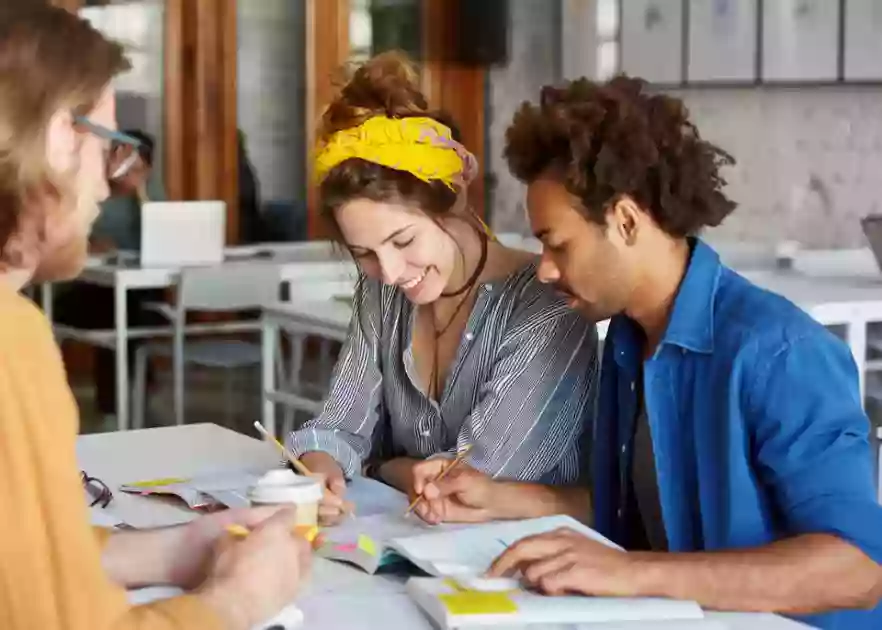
454	342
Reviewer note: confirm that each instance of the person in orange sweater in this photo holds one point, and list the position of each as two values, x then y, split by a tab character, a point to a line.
56	118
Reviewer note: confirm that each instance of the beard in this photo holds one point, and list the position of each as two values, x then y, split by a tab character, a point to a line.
64	260
65	250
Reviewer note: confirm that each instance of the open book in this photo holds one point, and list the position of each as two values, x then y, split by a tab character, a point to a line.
446	550
227	488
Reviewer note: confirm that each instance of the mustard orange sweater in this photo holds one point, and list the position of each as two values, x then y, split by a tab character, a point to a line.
51	576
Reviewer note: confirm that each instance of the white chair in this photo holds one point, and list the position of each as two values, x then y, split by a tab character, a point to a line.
218	289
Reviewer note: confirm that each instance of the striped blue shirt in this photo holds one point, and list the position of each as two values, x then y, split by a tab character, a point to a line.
521	389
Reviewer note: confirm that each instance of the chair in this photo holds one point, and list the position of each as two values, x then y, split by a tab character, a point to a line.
216	289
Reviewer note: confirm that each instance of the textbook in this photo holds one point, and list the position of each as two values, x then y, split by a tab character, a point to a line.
380	540
453	603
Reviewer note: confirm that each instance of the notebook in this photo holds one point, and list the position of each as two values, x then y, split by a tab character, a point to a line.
204	491
452	605
447	550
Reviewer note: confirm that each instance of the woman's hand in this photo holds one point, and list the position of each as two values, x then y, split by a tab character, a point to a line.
333	507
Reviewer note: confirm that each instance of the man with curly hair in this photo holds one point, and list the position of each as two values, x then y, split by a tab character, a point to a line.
730	452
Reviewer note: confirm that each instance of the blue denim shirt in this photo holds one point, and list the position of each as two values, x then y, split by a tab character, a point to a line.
756	420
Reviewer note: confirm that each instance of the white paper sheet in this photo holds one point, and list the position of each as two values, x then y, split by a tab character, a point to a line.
104	517
471	551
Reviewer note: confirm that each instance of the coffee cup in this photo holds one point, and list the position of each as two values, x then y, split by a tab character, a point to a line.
284	487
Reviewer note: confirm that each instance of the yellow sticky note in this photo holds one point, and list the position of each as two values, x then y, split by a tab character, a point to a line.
155	483
309	532
478	603
367	545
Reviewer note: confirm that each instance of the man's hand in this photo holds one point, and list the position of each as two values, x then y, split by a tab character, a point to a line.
252	579
564	561
333	506
464	495
178	556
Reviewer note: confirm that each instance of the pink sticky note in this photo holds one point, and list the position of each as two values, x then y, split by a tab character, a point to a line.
347	548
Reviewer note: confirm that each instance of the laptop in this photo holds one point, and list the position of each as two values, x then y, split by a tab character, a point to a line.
182	233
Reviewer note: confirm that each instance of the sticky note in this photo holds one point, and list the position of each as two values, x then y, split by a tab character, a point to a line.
367	545
155	483
309	532
478	603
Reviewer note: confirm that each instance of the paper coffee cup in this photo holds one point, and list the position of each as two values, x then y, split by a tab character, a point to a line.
284	487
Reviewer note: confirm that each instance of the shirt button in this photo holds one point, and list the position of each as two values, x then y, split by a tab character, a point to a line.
682	350
469	336
425	433
632	386
619	512
624	448
488	287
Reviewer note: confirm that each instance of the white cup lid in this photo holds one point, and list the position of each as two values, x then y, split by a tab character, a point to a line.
284	486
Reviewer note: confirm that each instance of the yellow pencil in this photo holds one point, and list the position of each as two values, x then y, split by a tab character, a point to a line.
456	462
309	532
298	465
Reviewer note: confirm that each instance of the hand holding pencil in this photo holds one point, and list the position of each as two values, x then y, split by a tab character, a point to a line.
333	507
452	491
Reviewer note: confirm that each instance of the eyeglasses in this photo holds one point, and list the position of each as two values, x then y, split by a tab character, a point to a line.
116	138
97	490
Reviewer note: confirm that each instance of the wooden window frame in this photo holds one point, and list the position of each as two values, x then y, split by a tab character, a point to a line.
200	140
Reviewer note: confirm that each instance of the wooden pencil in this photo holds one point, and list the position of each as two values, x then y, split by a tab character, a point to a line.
456	462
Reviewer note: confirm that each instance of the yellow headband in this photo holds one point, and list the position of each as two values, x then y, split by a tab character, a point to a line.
422	147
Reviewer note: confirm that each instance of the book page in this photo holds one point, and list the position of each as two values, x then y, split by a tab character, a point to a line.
472	550
382	528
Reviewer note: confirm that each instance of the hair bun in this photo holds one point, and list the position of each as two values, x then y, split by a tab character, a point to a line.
386	85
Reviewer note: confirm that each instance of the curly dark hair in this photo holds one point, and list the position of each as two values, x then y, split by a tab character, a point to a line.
613	139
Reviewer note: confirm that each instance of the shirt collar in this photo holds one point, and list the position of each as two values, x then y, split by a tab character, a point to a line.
691	323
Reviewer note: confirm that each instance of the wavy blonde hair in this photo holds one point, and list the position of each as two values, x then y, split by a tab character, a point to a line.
50	60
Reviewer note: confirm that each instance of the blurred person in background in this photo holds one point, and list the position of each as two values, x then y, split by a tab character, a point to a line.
133	182
251	228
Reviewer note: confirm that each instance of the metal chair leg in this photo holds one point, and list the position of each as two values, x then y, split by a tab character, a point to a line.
139	396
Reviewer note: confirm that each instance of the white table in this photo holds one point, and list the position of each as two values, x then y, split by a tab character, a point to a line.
121	457
299	263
